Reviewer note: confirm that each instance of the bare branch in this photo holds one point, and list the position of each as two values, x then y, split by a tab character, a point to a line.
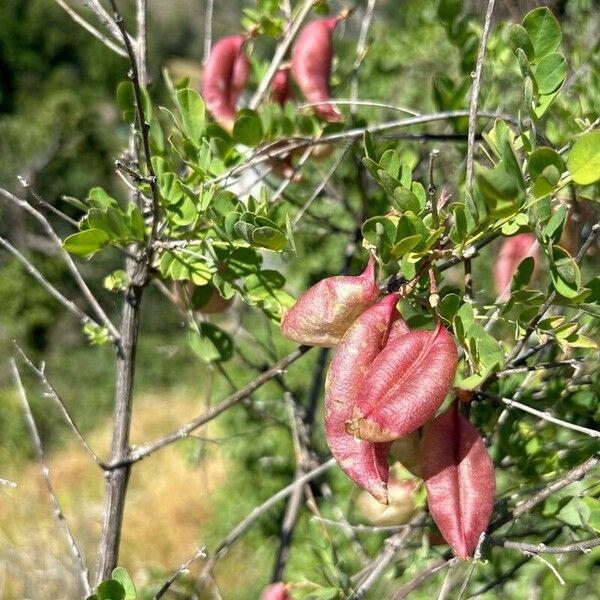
32	270
51	391
238	531
201	553
91	29
185	430
37	443
208	18
138	79
361	51
96	7
475	95
280	52
79	280
583	547
546	416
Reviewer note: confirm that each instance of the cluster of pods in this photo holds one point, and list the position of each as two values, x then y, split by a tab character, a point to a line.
385	383
227	70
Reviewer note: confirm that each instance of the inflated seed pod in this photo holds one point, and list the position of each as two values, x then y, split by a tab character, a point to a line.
365	462
312	55
459	478
225	77
405	385
323	314
275	591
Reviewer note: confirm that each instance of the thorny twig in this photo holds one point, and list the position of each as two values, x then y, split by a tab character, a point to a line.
37	442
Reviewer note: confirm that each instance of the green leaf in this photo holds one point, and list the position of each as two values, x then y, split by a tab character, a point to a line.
369	145
575	513
564	273
210	343
111	590
98	198
122	576
192	111
541	158
553	230
116	281
247	128
551	73
270	238
87	242
544	31
404	200
583	161
96	334
523	273
519	38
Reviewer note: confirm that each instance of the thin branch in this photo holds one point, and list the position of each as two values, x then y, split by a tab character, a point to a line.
238	531
391	547
51	391
96	7
361	51
185	430
39	449
301	440
507	575
320	187
201	553
546	416
138	79
280	52
208	19
140	41
32	270
71	266
475	95
91	29
278	149
353	103
583	547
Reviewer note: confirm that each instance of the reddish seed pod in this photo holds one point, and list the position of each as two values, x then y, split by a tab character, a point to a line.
323	314
459	478
225	77
312	55
404	386
512	251
275	591
280	88
365	462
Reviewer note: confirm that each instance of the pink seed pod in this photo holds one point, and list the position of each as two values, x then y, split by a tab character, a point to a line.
312	55
364	462
323	314
459	478
280	88
400	508
512	251
275	591
225	77
405	385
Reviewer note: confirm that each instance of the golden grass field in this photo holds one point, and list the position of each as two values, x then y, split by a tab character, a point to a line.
168	505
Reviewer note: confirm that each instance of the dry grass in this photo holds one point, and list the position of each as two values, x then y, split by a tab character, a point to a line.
168	504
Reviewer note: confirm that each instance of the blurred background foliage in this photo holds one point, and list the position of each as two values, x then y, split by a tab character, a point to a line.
61	130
